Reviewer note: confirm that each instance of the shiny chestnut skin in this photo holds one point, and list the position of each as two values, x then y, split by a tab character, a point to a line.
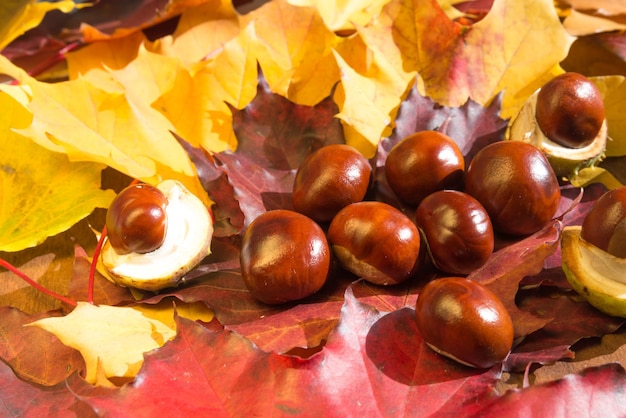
284	257
605	224
423	163
136	220
517	186
570	110
329	179
457	230
465	321
375	241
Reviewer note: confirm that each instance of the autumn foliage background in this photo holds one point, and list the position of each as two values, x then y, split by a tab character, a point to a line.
229	99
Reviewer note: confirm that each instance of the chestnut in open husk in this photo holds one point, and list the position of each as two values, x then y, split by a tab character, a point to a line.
565	119
594	254
155	235
515	183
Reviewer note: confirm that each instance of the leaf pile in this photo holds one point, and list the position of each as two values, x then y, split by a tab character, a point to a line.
229	99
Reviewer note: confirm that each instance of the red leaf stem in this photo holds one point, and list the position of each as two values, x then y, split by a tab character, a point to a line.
36	285
94	263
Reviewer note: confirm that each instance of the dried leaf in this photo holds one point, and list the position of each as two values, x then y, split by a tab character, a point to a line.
581	24
457	63
373	83
597	391
294	49
344	15
18	16
34	355
613	90
42	193
114	54
375	363
202	31
20	398
197	102
508	266
112	340
105	125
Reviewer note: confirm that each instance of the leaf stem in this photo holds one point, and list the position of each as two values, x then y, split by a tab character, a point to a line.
94	263
36	285
53	60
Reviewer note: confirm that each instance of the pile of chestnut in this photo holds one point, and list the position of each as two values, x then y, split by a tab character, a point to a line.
509	188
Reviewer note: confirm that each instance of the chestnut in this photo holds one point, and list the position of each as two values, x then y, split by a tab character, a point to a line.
515	183
375	241
136	219
329	179
422	163
605	224
570	110
161	233
457	231
284	257
463	320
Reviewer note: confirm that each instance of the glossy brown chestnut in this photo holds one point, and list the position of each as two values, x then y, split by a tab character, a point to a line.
375	241
463	320
136	220
515	183
330	179
457	230
605	224
570	110
284	257
423	163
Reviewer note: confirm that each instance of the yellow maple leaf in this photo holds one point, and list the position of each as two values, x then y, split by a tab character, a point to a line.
201	32
294	49
167	309
613	90
108	124
111	339
42	192
373	84
456	63
196	104
113	54
18	16
344	15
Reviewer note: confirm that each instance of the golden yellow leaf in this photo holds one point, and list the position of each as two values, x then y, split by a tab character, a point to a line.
167	309
105	125
112	340
613	90
605	7
42	193
581	24
18	16
196	104
456	63
364	120
448	7
294	49
201	32
112	54
373	84
343	14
